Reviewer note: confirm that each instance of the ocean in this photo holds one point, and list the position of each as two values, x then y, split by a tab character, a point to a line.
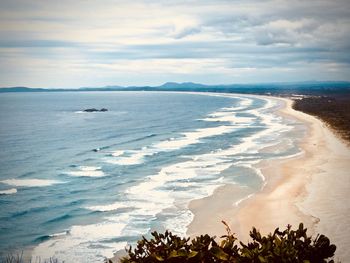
79	186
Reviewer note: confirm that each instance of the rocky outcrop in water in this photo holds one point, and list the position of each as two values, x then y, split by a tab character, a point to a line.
95	110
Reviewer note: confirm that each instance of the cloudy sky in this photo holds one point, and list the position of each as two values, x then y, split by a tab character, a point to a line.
96	43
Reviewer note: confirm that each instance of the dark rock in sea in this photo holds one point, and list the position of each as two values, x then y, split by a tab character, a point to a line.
91	110
95	110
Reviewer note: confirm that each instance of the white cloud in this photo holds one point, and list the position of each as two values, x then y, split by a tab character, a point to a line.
206	41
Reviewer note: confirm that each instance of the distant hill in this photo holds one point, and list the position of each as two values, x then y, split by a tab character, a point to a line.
306	88
21	89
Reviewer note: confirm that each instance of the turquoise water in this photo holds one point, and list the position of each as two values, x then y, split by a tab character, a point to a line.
79	186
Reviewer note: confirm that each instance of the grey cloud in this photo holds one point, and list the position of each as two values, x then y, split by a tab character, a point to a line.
36	43
187	32
271	37
247	55
254	25
244	34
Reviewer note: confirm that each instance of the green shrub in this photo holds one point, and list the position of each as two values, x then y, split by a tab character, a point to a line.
281	246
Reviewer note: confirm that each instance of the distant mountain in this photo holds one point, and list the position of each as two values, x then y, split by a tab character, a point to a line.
21	89
186	85
311	87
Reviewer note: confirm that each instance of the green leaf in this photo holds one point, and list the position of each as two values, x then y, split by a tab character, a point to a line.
173	254
192	254
159	258
179	253
219	253
262	259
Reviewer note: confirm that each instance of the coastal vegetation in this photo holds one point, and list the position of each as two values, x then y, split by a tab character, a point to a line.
280	246
332	109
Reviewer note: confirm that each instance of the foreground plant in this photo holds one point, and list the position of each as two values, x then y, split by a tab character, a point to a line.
281	246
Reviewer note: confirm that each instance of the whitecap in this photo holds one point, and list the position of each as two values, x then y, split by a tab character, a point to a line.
84	242
117	153
87	171
135	157
131	157
30	182
179	222
60	234
106	208
231	118
8	191
192	137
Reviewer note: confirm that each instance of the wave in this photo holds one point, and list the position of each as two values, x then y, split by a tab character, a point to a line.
117	153
106	208
179	222
8	191
30	211
131	157
85	238
30	182
56	235
87	171
135	157
192	137
180	183
59	218
229	117
198	176
167	193
142	138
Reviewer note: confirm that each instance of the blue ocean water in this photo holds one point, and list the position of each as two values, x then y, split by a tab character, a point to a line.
154	153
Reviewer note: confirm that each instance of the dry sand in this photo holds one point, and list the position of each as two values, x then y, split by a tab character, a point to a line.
313	188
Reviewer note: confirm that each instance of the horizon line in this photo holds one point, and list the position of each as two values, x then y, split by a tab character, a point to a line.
182	83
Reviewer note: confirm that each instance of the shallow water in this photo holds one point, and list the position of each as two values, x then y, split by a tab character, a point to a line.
154	153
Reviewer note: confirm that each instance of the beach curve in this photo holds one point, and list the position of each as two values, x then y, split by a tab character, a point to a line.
298	189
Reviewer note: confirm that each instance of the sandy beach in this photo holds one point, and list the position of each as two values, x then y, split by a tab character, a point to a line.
312	188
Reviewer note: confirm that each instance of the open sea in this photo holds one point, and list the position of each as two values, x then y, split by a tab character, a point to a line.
79	186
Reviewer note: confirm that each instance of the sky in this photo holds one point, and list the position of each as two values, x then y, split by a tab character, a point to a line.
69	44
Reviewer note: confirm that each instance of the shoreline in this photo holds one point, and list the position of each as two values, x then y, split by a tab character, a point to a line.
298	189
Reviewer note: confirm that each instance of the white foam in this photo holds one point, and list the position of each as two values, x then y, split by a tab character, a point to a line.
117	153
60	234
243	103
192	137
106	208
133	157
243	199
188	138
8	192
229	117
89	168
294	155
172	187
179	223
30	182
256	170
152	195
84	243
87	171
